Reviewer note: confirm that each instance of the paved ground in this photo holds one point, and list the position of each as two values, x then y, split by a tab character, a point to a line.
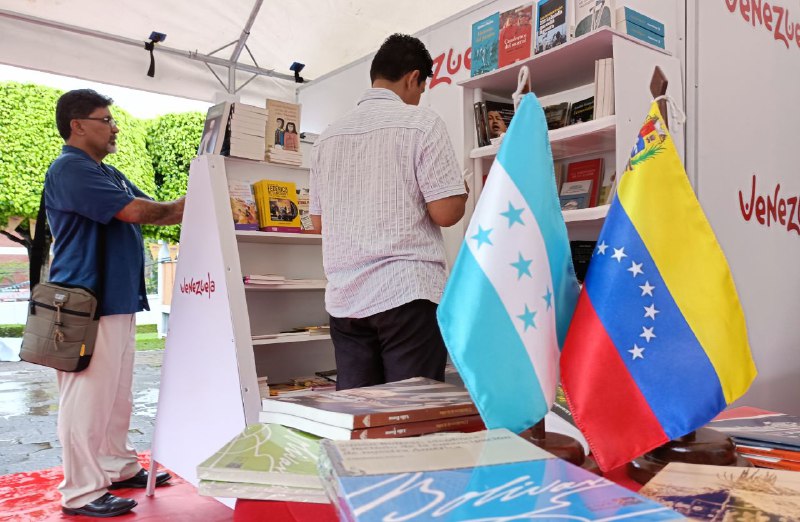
29	409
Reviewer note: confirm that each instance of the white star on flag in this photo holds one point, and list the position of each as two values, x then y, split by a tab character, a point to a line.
647	333
635	269
647	289
619	253
650	311
601	248
636	352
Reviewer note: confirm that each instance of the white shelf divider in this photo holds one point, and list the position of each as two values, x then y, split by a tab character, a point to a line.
275	288
292	339
586	214
256	236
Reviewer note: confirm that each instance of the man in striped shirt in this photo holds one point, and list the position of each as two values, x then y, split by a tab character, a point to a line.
384	178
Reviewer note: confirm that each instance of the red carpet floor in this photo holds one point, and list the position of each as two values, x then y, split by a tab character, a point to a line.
32	497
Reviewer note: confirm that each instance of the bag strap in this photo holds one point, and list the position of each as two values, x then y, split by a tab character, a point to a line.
38	253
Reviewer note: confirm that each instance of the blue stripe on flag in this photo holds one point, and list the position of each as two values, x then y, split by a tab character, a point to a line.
668	363
475	317
526	156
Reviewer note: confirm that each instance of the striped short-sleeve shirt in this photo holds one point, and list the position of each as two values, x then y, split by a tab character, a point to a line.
372	173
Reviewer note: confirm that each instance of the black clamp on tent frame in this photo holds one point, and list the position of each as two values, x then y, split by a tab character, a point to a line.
155	37
297	67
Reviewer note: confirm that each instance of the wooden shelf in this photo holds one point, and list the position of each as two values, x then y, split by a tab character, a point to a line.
255	236
556	69
293	339
273	288
586	214
591	137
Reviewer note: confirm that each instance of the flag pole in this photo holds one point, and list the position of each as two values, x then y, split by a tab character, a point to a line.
702	446
562	446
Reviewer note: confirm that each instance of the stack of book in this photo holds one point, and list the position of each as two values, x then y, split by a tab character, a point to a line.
283	133
490	475
264	462
581	186
603	88
640	26
770	440
399	409
246	131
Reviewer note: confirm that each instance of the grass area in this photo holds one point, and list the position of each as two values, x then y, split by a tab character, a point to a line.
146	335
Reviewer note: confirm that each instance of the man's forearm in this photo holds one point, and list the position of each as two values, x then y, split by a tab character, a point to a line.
167	213
146	212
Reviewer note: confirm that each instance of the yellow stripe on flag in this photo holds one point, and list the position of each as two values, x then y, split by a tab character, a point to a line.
662	206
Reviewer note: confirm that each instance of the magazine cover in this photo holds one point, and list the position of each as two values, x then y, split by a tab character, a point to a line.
551	24
484	45
773	429
516	35
702	492
214	129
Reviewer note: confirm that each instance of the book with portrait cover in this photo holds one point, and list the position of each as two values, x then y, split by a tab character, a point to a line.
704	492
516	35
484	45
591	15
243	205
483	476
214	129
551	24
283	126
277	206
411	400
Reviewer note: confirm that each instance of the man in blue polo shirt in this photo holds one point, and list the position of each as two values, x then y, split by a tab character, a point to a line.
94	213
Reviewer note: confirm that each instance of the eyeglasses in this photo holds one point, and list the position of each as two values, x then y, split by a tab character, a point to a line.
108	120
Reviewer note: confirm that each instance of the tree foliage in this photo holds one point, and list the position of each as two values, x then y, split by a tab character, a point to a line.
172	142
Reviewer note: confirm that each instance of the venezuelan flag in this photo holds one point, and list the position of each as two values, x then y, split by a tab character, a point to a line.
510	296
658	343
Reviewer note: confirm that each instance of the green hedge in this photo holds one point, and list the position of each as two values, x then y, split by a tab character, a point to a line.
154	154
172	142
11	330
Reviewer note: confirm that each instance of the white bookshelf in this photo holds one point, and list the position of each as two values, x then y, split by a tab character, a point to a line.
568	71
282	238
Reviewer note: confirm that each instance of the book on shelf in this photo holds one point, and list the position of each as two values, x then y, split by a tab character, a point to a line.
556	115
704	492
282	133
481	130
243	205
591	15
626	14
575	194
275	492
488	475
277	206
266	454
214	129
516	35
591	170
551	24
484	45
772	430
410	400
466	423
303	196
499	116
582	111
608	88
639	32
244	137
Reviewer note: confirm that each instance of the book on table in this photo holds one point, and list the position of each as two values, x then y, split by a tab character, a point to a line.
704	492
771	430
488	475
412	400
275	492
266	454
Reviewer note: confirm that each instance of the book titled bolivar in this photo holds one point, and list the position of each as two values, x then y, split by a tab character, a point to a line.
486	476
278	210
703	492
412	400
266	454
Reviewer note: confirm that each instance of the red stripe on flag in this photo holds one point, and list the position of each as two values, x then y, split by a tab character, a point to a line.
608	407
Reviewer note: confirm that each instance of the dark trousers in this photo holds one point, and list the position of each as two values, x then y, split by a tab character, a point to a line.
389	346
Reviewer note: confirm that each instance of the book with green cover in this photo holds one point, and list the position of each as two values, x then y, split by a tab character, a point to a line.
266	454
214	488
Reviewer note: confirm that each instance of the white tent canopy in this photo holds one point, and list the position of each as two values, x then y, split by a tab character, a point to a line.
104	41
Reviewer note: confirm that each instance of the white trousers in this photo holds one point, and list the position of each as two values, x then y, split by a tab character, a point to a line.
94	415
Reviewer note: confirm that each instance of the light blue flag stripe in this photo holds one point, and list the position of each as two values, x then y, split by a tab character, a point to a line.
496	352
526	156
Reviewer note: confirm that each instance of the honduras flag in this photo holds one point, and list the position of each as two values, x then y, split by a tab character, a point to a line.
512	291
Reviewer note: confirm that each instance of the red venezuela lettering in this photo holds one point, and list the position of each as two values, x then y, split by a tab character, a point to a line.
453	65
772	208
757	12
198	287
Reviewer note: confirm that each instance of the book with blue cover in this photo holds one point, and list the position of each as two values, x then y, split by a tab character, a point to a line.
485	34
490	475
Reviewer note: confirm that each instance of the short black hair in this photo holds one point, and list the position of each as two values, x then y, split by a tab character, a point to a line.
76	104
399	55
